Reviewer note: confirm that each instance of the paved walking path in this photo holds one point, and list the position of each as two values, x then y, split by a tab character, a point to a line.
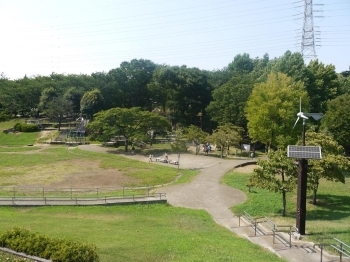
206	192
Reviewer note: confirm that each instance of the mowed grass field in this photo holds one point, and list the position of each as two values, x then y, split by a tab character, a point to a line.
121	233
329	218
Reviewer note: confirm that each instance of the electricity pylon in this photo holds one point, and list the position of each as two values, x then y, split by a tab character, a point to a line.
308	34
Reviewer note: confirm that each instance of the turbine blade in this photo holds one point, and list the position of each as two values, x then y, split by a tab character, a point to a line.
296	122
300	104
303	116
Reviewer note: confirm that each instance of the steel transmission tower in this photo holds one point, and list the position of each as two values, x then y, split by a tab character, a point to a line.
308	35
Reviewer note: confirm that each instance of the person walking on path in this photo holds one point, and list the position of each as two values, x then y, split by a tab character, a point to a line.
150	158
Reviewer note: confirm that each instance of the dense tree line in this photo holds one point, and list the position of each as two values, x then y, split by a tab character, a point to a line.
190	96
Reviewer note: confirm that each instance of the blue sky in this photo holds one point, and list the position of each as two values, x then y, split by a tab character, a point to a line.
39	37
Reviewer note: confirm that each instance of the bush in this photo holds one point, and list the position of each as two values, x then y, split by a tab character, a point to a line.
58	250
20	127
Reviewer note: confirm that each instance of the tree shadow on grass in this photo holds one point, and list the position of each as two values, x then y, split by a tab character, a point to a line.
330	207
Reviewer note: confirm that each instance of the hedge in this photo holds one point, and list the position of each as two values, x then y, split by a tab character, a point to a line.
57	250
26	127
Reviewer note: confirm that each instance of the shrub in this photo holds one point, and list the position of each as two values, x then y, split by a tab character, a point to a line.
26	127
58	250
18	127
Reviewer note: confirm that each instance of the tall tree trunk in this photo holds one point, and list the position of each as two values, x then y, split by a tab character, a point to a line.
284	203
314	196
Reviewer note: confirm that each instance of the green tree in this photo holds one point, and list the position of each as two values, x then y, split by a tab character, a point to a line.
57	108
337	119
225	136
322	85
229	101
74	96
183	93
332	165
179	144
131	79
92	102
344	84
128	122
47	97
271	110
291	64
277	174
241	64
196	135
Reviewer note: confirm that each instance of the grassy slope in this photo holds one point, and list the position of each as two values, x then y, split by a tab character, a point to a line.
139	232
331	217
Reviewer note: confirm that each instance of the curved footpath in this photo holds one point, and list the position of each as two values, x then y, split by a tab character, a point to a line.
206	192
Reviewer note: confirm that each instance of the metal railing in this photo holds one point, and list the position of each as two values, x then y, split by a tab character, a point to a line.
50	195
342	248
255	221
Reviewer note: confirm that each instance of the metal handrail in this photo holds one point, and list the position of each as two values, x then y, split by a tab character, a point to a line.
341	247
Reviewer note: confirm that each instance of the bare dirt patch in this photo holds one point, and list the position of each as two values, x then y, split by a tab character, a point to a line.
72	173
245	169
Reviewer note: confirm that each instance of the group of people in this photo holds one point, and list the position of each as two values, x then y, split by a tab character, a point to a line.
207	148
151	156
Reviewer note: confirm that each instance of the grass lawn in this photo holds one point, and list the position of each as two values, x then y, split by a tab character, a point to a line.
329	218
10	124
139	232
121	233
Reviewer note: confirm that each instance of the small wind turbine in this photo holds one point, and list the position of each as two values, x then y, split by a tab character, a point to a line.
305	116
303	153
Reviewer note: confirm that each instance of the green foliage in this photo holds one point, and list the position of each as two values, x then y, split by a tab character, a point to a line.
271	110
332	165
58	250
241	64
225	136
130	123
92	102
229	101
180	142
337	119
290	64
185	92
129	82
21	127
74	95
196	135
277	174
322	85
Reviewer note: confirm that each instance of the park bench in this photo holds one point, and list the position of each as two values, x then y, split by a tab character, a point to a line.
159	159
110	143
252	221
174	162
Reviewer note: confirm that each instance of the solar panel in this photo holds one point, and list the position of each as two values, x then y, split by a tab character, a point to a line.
307	152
